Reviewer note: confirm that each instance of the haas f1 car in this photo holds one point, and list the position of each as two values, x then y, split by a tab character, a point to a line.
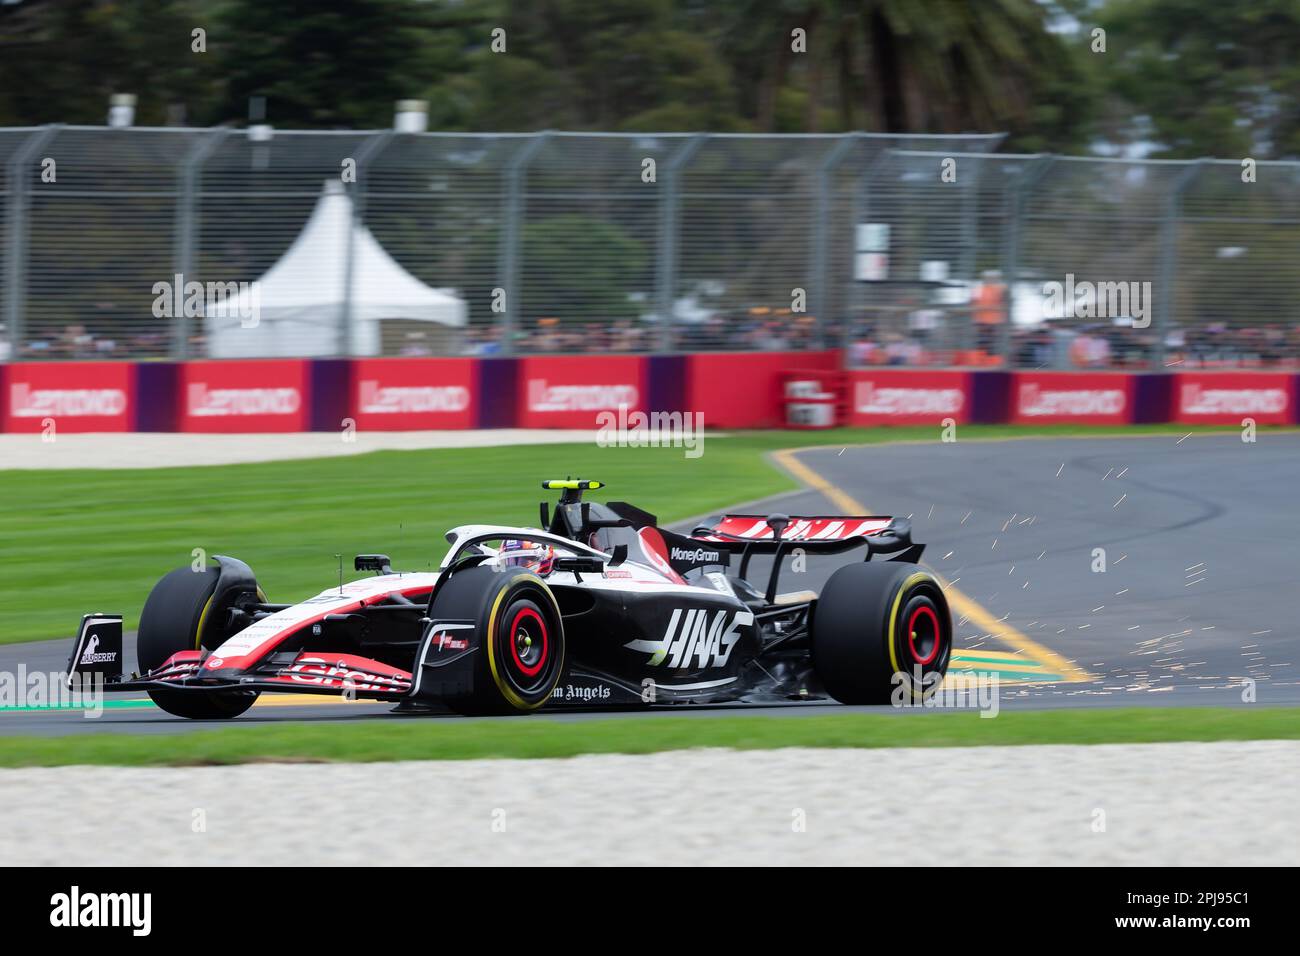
601	608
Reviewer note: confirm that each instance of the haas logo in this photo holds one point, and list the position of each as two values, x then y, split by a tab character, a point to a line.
696	638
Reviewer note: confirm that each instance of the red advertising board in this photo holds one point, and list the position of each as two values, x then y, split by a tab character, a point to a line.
413	394
1096	398
254	396
744	389
1225	398
908	397
51	397
570	391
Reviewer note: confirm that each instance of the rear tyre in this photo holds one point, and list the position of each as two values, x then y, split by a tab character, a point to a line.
877	620
181	615
520	655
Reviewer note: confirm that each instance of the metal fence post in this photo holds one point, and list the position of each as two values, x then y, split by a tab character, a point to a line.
1169	260
820	265
666	267
861	213
1034	171
16	240
368	151
968	191
511	237
187	229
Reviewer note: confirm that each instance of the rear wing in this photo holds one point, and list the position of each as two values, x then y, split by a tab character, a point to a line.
804	529
814	534
780	535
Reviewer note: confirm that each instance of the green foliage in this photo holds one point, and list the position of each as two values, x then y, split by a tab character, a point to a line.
1194	77
639	65
61	60
586	64
342	63
1214	79
936	66
583	265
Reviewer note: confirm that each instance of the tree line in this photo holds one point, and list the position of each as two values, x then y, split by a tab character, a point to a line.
1172	78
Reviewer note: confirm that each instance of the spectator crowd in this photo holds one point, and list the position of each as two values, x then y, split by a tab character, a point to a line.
923	336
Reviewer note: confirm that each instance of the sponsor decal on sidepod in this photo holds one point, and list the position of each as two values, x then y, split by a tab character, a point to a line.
703	635
576	692
696	555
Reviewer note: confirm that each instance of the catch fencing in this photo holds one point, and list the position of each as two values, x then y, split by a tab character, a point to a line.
921	250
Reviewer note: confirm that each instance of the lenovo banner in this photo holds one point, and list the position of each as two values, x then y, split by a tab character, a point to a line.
1091	398
413	394
906	397
254	396
570	391
1225	398
50	397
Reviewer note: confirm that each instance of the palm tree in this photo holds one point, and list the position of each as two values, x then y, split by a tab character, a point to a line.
900	66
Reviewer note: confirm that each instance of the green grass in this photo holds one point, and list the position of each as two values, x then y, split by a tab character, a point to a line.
437	739
76	541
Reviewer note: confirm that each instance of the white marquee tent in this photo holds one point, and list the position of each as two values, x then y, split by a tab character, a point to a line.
300	303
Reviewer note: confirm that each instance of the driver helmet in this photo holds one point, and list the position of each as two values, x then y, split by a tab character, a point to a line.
532	555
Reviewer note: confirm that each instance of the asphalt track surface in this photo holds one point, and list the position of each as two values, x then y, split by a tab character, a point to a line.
1194	607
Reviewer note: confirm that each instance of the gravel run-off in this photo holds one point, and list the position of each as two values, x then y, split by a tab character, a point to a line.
1156	804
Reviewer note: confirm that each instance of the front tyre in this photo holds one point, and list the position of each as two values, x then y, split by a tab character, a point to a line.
520	655
881	632
181	614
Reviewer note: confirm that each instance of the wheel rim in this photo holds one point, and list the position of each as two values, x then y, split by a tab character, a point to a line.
923	635
921	640
529	642
526	647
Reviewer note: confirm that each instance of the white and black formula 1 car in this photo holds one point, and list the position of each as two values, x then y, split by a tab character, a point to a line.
602	608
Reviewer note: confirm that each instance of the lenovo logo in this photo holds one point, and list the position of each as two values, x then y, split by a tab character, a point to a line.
1232	401
26	402
578	398
870	400
1036	401
379	399
204	402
